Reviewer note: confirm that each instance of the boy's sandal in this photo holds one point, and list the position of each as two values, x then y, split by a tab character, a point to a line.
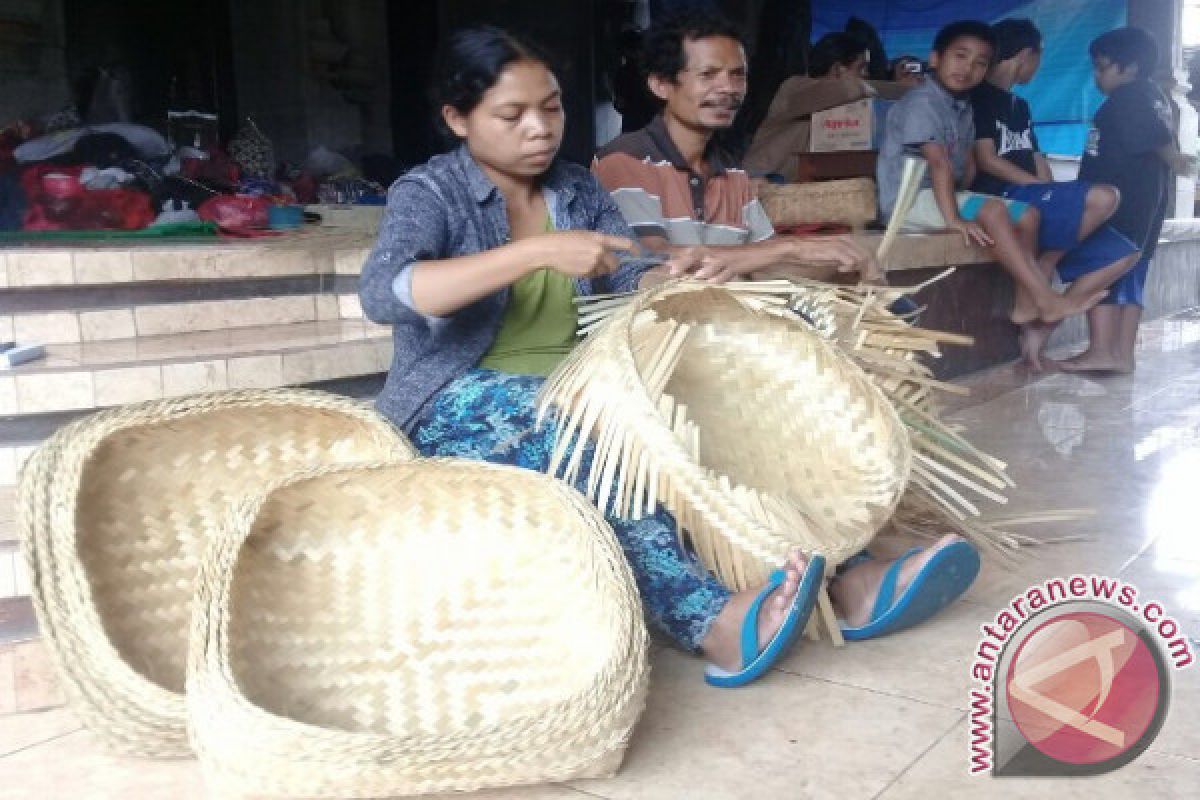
756	660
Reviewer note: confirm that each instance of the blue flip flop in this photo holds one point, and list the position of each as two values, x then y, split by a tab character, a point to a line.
948	573
755	661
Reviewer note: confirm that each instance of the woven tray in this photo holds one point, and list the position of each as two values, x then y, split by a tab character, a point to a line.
408	628
749	426
114	512
843	202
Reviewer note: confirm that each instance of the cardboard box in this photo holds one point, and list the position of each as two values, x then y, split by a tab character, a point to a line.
854	126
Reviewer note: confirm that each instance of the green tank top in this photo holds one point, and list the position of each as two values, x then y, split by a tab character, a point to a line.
538	327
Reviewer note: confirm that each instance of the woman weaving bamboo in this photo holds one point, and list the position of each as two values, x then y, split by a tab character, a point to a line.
479	257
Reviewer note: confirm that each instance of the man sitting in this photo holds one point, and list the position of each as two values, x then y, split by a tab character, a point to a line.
680	190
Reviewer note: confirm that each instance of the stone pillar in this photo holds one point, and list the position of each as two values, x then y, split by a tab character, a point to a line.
1164	19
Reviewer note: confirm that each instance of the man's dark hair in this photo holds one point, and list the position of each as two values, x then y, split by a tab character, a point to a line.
833	49
662	51
1014	35
962	29
1125	46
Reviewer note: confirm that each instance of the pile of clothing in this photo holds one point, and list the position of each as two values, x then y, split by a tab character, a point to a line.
59	174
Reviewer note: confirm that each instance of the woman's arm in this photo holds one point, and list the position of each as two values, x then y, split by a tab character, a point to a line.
441	287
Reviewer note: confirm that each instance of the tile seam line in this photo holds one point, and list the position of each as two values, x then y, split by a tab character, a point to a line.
33	745
880	692
929	748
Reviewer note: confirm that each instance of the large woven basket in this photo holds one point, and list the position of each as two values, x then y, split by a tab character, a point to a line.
846	202
750	427
767	416
407	628
114	513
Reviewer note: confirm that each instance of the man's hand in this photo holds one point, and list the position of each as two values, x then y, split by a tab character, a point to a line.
972	233
844	253
701	264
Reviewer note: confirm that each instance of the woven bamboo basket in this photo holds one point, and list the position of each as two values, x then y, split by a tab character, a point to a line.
750	427
843	202
408	628
764	416
114	512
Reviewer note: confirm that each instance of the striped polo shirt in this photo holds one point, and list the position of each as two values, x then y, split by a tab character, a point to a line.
660	195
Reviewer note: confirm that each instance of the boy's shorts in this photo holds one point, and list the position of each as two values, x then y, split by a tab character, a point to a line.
1104	247
1061	206
926	216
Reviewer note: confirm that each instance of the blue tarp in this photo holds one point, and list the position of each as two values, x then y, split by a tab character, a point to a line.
1063	96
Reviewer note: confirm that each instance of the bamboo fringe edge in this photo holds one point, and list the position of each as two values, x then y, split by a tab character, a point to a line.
949	476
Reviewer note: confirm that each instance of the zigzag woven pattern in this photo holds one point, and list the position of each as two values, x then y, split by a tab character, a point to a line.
736	415
115	512
376	630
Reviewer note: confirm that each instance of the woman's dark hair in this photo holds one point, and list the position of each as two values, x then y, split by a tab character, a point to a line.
1015	35
662	49
1125	46
833	49
469	63
963	29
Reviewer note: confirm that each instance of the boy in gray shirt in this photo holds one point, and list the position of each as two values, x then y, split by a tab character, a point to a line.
936	119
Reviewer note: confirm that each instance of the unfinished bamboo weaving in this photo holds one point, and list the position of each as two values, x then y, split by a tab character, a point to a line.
114	512
398	629
763	416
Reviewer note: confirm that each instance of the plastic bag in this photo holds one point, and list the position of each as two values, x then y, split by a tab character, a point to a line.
235	212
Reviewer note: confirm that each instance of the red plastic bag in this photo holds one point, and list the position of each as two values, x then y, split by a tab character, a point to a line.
57	201
235	212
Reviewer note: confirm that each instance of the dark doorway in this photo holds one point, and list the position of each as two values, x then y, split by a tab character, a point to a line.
174	55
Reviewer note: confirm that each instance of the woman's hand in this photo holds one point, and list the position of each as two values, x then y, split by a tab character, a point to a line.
579	254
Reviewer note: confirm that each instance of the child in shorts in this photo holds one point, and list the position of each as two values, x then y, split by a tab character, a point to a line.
936	119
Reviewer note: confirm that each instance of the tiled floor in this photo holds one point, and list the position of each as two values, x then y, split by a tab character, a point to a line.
882	719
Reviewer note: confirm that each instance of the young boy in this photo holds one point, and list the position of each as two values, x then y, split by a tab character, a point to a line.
1132	147
936	118
1011	165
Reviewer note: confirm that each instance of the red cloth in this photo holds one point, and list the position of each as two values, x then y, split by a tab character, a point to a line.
67	206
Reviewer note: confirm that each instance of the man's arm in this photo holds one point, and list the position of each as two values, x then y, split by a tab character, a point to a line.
817	258
941	175
988	161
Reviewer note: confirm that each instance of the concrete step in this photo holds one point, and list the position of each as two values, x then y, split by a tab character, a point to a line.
312	251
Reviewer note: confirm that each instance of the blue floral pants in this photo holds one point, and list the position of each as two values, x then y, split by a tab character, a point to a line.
490	416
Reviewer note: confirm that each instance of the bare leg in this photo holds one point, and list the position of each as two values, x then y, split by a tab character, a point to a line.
1018	260
1102	201
854	591
1127	331
1026	230
722	645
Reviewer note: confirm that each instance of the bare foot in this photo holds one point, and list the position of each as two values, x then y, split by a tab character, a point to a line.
1024	310
1088	361
1063	306
854	591
1033	341
723	644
